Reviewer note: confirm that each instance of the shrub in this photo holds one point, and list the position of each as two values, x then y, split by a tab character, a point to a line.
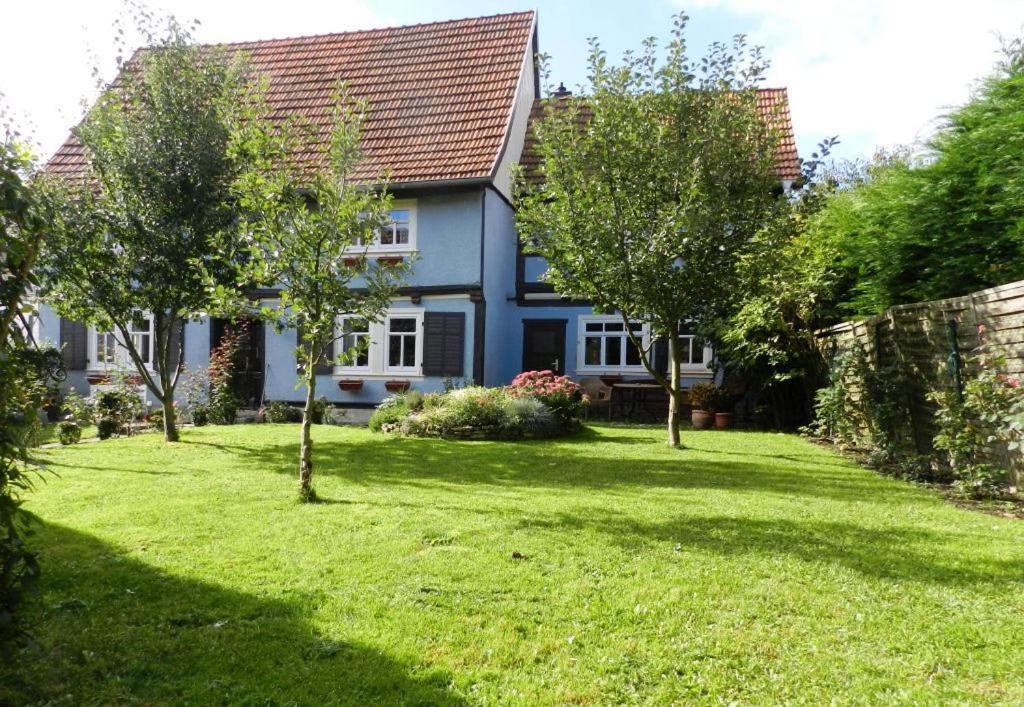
121	405
278	411
559	393
69	432
79	409
223	404
200	415
533	417
974	425
392	410
474	411
107	427
704	396
478	407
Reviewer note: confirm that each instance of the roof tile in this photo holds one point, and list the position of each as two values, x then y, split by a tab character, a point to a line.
439	95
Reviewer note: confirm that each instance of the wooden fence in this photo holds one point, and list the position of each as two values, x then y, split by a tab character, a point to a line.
918	340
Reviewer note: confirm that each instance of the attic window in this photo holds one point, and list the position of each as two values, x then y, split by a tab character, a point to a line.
398	235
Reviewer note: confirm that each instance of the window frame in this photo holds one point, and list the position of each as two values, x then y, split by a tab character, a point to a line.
377	247
701	367
377	355
353	367
417	317
581	343
121	357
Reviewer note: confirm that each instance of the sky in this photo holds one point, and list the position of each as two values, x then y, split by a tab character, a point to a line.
874	72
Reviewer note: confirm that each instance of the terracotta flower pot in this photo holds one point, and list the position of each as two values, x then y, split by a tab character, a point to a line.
702	419
397	386
390	260
723	420
350	385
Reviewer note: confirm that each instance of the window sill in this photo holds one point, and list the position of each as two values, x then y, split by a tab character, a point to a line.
387	375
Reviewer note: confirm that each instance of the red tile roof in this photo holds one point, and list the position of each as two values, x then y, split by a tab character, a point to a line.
440	95
772	103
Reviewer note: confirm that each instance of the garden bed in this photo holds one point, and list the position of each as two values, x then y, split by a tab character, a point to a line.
537	404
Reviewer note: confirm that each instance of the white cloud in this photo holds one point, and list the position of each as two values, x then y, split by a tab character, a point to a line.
877	72
47	65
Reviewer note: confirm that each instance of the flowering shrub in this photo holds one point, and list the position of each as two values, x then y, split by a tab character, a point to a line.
469	412
560	393
986	415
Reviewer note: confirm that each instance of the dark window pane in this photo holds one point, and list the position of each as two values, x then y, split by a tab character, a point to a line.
595	326
636	327
387	234
614	326
401	233
395	351
592	351
355	325
613	351
403	325
409	352
632	354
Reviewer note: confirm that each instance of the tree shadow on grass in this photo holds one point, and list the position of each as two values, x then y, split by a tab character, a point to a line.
890	553
113	630
577	463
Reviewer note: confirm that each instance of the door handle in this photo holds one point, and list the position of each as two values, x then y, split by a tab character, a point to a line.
555	366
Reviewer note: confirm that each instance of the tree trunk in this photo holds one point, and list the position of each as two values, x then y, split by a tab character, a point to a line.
674	402
306	492
170	419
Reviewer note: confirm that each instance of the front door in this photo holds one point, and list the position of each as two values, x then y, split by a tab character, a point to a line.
247	373
544	345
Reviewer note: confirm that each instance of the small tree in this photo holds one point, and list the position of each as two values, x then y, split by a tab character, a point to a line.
308	233
25	214
654	186
143	231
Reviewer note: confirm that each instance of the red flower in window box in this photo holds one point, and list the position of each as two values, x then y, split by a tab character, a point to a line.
97	378
351	384
390	260
397	386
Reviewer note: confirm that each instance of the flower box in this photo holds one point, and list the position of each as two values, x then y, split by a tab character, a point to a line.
350	385
390	260
351	262
397	386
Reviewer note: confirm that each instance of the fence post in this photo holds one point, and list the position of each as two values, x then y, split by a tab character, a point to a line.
953	362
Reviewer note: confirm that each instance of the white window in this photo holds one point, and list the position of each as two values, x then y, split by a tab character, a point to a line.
399	234
402	343
106	353
391	346
604	344
355	343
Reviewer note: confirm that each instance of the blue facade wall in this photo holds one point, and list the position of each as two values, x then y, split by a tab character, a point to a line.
465	241
501	355
282	383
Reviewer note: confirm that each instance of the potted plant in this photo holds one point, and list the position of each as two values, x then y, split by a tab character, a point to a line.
723	405
702	400
396	386
350	384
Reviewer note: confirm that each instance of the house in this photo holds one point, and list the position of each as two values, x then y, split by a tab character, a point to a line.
449	110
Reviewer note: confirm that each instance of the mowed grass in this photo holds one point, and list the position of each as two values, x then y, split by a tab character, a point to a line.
602	569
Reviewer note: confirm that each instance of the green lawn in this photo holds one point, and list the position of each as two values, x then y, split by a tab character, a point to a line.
750	567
